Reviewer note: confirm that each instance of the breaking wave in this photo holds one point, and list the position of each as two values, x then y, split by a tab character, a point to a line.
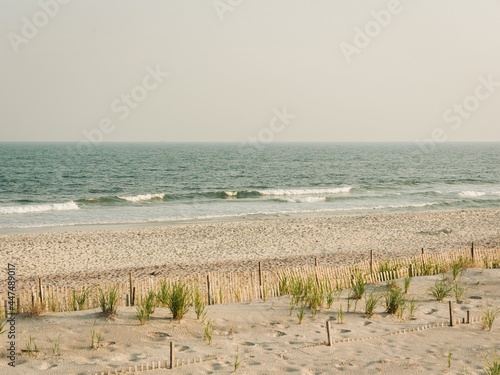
143	197
38	208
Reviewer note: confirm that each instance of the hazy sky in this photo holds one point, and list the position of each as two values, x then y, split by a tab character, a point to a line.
345	69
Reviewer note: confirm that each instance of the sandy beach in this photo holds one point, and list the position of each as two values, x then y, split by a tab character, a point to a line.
85	257
262	336
265	338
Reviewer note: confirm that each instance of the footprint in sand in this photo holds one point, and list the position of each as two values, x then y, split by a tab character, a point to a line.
139	356
248	343
158	336
107	343
278	334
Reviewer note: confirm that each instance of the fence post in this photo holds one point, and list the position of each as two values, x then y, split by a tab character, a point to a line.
472	251
208	289
260	279
371	262
40	292
452	322
172	356
131	287
328	333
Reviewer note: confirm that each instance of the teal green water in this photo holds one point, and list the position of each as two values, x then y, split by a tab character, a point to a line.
45	185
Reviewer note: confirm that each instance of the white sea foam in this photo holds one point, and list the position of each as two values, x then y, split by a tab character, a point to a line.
340	190
231	193
471	194
143	197
305	199
289	212
38	208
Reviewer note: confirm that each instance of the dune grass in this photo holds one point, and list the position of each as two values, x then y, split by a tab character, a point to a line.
394	299
108	301
488	317
146	308
441	289
177	298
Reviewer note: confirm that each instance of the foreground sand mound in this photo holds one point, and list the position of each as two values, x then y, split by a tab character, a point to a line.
264	338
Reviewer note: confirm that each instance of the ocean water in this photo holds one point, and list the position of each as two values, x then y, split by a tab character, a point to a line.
59	185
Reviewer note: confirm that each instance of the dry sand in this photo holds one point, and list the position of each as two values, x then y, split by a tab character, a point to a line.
85	257
270	340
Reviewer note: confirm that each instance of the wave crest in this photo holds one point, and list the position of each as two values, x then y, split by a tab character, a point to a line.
340	190
471	194
143	197
39	208
304	199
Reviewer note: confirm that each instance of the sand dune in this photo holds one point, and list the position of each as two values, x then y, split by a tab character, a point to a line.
271	341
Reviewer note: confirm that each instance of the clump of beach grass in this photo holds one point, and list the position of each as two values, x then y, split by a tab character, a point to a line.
314	298
371	302
146	308
488	317
457	269
162	293
108	301
207	334
340	315
36	309
95	337
401	310
330	298
31	347
300	314
178	299
407	283
297	290
79	298
441	289
199	303
412	308
458	291
358	287
492	365
394	299
55	345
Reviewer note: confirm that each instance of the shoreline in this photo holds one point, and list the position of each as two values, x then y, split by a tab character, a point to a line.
12	231
79	257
